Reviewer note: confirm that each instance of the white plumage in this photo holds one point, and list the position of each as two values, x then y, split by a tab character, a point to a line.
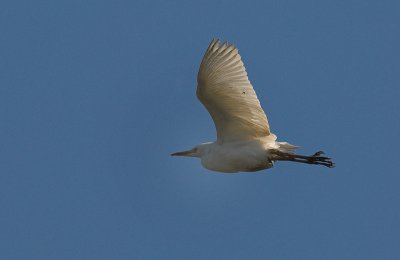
225	90
244	141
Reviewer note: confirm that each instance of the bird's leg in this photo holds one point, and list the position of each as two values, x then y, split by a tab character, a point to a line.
313	159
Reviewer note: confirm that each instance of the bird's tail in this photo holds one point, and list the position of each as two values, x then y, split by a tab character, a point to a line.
287	148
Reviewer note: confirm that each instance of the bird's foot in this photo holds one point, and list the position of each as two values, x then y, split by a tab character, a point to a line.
316	158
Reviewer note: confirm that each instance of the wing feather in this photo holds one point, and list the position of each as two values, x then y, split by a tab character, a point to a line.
225	90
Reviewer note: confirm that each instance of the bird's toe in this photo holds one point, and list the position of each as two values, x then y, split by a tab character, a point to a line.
318	153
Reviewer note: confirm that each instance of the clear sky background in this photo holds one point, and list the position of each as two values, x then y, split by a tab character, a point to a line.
95	95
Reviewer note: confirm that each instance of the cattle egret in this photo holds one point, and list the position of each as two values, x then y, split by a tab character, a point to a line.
244	140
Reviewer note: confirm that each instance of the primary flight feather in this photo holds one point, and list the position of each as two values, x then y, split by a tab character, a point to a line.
244	141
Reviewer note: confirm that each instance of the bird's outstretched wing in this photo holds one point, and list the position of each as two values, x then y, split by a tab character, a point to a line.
226	92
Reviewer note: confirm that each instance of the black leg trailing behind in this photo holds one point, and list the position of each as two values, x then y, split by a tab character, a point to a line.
316	158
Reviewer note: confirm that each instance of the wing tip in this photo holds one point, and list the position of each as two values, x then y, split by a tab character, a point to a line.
215	44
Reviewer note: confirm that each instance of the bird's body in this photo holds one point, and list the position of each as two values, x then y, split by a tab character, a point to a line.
238	156
244	140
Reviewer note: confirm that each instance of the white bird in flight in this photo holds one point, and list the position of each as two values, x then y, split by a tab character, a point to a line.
244	140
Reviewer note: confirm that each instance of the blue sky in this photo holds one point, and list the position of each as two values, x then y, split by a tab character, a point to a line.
95	95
